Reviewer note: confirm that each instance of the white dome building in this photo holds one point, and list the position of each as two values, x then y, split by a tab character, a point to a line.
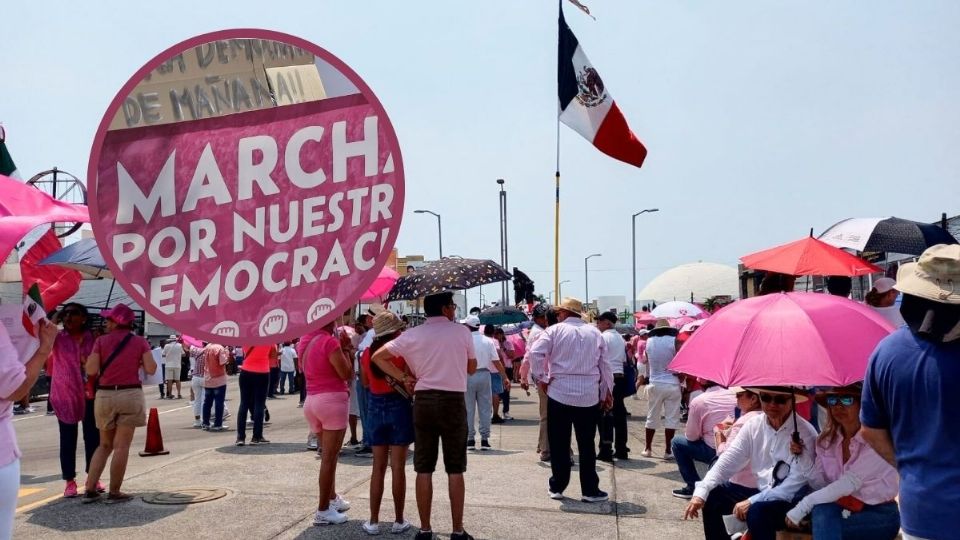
702	280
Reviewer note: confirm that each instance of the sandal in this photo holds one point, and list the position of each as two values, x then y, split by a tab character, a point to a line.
90	497
114	498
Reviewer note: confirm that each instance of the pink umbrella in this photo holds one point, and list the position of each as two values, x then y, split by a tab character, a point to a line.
643	318
786	339
192	341
680	322
381	285
23	207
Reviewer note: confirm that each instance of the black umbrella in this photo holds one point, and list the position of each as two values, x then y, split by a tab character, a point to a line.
502	315
447	274
886	234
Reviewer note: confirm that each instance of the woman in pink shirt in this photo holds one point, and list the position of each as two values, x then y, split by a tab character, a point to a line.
16	380
119	406
849	478
71	349
326	409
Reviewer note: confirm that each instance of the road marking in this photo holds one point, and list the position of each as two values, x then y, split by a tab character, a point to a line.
177	409
28	491
44	416
41	502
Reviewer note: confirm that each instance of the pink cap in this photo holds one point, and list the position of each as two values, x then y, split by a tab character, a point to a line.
120	314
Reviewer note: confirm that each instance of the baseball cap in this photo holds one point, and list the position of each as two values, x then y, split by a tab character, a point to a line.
884	284
472	321
609	317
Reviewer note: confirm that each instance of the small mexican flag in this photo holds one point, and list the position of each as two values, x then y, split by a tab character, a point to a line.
7	167
33	310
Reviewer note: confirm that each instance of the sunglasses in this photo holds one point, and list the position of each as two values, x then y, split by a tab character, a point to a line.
846	401
777	399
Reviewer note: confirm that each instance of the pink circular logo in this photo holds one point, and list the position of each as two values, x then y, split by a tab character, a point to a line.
246	186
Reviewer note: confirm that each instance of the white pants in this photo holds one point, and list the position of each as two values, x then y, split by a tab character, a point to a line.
663	399
9	490
197	384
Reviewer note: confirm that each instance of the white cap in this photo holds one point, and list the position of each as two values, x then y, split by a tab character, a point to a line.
884	284
472	321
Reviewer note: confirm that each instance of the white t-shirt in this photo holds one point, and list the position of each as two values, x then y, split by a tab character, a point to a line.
158	356
660	351
616	353
485	349
172	353
892	314
288	359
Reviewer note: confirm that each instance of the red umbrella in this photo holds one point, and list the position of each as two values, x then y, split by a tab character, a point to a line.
809	257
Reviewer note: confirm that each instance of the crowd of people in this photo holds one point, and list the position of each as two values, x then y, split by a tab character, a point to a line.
831	460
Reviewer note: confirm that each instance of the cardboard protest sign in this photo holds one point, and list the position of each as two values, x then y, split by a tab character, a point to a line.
252	227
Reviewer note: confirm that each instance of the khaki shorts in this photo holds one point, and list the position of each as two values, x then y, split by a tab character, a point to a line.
114	408
172	373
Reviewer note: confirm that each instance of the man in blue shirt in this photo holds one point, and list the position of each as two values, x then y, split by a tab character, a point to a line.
909	413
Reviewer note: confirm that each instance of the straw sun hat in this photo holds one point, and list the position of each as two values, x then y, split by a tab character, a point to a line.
572	305
386	323
935	276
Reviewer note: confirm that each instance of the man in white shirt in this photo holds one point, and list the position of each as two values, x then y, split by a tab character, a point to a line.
763	443
288	367
158	358
479	389
567	360
613	424
172	356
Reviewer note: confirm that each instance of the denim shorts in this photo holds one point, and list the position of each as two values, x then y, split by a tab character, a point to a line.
390	417
496	383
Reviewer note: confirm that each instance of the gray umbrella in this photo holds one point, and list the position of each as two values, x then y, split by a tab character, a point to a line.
83	256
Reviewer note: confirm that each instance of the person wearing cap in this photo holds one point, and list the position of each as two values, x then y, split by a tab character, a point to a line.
172	354
441	356
542	313
119	406
479	390
764	443
613	427
664	392
390	420
883	299
698	443
909	411
849	475
568	361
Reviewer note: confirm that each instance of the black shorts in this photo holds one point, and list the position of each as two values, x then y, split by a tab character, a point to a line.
439	416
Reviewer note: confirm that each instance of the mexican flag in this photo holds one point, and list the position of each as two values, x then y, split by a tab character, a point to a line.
33	310
7	167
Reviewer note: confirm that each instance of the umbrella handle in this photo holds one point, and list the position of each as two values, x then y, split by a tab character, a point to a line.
796	430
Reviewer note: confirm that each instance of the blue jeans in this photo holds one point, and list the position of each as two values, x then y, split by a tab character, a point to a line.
213	397
284	377
874	522
686	453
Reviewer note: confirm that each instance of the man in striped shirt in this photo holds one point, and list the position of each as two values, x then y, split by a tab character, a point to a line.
567	361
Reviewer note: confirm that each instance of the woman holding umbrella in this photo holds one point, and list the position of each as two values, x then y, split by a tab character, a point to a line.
849	476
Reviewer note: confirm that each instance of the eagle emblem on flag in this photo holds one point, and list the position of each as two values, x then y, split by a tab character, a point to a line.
590	85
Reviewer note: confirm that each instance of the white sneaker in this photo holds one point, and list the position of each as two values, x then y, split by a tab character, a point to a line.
555	496
329	517
507	416
339	504
197	424
372	529
646	453
398	528
668	457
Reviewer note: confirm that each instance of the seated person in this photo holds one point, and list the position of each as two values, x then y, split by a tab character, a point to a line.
707	410
764	443
849	475
724	434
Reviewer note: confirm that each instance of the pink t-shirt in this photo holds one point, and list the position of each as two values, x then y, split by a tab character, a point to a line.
125	368
68	375
214	358
12	375
315	349
436	353
706	411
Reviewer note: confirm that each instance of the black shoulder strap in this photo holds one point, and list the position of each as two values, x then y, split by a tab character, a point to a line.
113	355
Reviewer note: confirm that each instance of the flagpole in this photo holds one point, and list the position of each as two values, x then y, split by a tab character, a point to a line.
556	205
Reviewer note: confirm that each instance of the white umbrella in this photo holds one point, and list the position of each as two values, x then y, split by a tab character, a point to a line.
675	309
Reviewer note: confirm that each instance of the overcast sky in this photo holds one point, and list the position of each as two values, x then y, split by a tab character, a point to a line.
762	119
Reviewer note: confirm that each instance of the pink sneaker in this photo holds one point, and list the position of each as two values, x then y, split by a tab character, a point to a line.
101	488
71	490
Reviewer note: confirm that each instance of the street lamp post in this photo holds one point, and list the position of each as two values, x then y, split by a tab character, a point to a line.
586	276
439	230
504	286
634	226
559	292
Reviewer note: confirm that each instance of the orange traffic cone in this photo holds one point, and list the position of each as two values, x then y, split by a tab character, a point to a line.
154	445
